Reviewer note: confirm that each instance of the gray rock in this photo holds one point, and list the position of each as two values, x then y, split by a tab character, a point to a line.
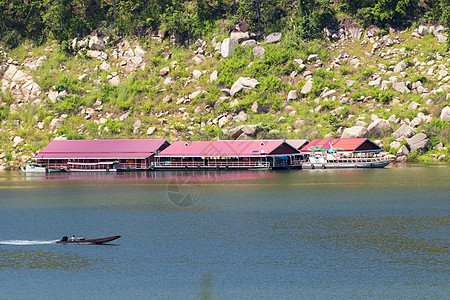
196	74
239	36
140	52
17	139
114	81
403	151
403	133
53	96
55	124
218	47
292	95
413	105
307	88
375	82
400	67
249	43
248	130
240	118
137	124
168	81
419	141
313	57
40	61
445	114
164	71
258	52
349	83
214	76
360	123
400	87
442	39
422	30
82	77
243	83
355	132
379	127
273	38
105	67
228	46
394	145
96	43
255	107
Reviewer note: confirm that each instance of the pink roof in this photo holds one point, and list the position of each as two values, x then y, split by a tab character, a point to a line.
348	144
79	149
222	148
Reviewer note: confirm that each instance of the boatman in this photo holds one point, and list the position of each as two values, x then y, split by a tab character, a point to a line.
72	238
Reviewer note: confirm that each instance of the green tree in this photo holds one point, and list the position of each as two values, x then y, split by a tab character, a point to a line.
445	7
311	17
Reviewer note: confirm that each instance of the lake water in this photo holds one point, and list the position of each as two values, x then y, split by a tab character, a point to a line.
345	234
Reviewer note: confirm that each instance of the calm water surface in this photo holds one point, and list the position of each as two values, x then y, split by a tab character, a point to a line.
346	234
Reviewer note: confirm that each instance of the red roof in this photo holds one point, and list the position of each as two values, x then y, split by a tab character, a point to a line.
223	148
349	144
115	149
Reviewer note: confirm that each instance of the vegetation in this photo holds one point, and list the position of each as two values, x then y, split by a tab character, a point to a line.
63	19
96	108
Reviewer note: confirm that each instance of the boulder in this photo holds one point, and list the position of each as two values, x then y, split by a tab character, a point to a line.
400	67
273	38
164	71
228	46
53	96
214	76
379	127
168	81
114	81
55	124
140	52
17	140
313	57
105	67
151	130
307	87
445	114
243	83
258	52
403	151
240	36
400	87
249	43
240	118
96	43
417	142
413	105
403	133
355	132
292	95
196	74
248	130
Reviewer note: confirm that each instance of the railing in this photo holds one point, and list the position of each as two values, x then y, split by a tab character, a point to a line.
212	164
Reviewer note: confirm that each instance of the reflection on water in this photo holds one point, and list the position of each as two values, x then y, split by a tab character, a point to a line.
294	234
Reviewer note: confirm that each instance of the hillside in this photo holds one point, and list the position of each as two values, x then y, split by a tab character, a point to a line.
391	86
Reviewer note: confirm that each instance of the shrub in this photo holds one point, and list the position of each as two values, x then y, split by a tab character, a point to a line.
4	112
386	97
70	104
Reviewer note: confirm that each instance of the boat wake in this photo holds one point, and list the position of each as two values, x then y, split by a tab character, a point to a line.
26	243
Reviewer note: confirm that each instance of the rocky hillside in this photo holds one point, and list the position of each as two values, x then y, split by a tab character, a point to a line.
393	87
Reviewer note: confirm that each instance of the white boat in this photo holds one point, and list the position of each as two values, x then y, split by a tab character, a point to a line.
33	167
326	160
